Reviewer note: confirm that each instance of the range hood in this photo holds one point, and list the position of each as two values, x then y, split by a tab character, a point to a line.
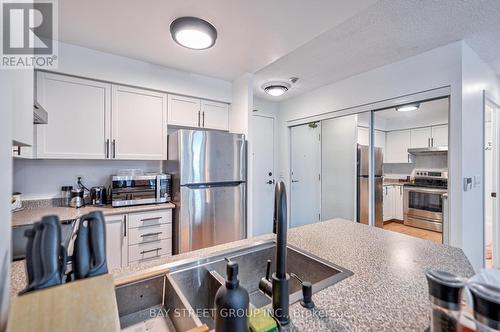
428	151
40	115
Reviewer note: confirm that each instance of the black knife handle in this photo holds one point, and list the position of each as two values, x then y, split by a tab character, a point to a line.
50	248
90	246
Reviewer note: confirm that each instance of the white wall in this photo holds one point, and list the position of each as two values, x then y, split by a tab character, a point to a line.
433	69
265	107
81	61
6	104
476	77
239	122
40	179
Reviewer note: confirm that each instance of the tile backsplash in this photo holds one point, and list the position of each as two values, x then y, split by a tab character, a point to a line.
397	171
42	179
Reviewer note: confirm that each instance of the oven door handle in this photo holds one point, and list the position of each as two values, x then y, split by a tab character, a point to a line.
426	190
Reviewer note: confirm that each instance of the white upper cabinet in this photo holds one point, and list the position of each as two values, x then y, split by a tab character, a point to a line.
397	144
196	113
440	136
138	124
184	111
79	114
23	88
214	115
421	137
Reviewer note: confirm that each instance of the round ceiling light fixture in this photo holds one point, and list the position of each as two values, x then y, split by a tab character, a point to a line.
276	89
193	33
408	108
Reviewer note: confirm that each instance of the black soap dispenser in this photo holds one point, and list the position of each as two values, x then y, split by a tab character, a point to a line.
231	303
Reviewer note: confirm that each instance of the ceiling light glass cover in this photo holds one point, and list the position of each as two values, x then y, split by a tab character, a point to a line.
276	89
408	108
193	33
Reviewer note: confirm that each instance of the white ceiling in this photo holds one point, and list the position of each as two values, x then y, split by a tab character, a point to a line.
251	34
386	32
429	113
319	41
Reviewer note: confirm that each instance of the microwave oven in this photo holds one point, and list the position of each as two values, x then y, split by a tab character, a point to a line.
140	189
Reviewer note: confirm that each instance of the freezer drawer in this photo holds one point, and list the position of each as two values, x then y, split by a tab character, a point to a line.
210	215
200	156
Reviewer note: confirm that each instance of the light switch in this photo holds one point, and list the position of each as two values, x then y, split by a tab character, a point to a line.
467	184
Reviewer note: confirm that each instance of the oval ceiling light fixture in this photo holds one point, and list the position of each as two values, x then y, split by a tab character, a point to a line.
193	33
276	89
408	108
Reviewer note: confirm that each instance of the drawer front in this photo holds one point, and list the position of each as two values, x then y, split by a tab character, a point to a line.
150	218
149	250
149	233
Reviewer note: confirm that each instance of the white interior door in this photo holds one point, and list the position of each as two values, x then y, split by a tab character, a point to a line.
263	175
491	186
305	174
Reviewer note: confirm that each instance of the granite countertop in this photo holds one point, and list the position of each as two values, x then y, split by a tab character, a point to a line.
388	290
32	214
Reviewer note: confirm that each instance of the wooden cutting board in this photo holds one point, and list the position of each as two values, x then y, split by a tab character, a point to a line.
83	305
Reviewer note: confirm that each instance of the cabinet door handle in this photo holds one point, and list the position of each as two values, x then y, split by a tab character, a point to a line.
151	234
107	148
432	141
146	251
114	149
125	226
203	119
428	142
199	114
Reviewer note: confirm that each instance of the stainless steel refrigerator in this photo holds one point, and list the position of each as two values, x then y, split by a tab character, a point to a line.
208	171
362	185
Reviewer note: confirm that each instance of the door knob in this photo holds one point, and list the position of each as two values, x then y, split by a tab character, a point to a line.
293	181
270	173
270	182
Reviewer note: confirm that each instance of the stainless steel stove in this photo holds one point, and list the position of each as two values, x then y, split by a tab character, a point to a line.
423	199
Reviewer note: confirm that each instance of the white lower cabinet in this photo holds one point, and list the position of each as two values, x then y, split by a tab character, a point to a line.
116	241
150	235
393	202
138	236
398	202
388	203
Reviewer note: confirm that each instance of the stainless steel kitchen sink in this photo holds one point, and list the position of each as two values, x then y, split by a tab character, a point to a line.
190	286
